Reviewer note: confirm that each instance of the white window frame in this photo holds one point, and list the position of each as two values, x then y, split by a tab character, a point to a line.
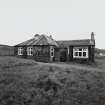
29	51
51	51
83	50
20	51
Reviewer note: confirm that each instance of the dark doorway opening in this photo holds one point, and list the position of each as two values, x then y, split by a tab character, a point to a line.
63	55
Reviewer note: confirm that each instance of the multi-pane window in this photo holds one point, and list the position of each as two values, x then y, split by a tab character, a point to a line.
30	51
20	51
51	51
80	52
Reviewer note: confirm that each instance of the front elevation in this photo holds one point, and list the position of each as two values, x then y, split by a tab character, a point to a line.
46	49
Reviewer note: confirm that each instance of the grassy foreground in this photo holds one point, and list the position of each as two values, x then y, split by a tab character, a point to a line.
26	82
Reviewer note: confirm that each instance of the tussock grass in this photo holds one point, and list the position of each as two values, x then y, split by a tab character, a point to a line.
26	82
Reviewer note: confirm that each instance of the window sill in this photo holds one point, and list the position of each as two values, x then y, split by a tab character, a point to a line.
80	57
20	54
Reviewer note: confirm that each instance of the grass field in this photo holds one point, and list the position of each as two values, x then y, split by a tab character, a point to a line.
26	82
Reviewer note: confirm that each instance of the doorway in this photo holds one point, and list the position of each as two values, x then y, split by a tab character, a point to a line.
63	55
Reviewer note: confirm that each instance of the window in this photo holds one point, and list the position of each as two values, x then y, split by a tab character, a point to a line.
80	52
52	54
80	49
84	54
76	54
30	51
51	51
20	51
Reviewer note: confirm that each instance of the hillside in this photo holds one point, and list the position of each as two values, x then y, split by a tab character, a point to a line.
26	82
6	50
97	50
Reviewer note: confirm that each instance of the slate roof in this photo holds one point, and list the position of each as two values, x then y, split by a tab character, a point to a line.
66	43
47	40
42	40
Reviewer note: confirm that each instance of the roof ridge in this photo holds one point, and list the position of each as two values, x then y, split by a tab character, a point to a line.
47	38
73	40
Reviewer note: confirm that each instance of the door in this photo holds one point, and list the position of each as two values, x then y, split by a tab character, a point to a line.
63	55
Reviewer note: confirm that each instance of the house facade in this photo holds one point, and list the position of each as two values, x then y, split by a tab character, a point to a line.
45	49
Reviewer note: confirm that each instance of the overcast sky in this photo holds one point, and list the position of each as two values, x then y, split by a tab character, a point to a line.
20	20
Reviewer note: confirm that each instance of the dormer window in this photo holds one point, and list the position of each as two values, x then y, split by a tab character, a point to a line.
30	51
20	51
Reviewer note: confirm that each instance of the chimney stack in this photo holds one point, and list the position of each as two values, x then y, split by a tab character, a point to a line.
92	36
51	37
36	36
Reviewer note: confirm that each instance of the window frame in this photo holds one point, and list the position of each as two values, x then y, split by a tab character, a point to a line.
76	50
30	51
20	50
51	51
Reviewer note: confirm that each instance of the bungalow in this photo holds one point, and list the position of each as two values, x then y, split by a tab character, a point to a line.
45	49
